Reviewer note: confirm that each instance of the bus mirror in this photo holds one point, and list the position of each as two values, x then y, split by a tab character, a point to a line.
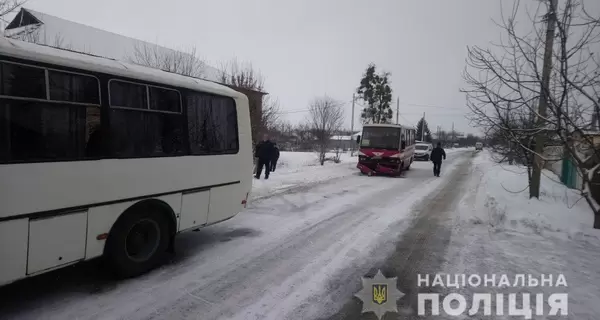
358	139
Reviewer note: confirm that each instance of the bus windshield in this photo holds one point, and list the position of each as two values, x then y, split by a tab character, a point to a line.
381	138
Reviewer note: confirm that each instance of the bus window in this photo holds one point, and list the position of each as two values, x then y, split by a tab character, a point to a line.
128	95
212	124
38	131
73	87
139	128
165	99
403	139
23	81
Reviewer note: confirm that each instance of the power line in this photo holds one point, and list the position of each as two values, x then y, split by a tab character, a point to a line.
363	106
429	106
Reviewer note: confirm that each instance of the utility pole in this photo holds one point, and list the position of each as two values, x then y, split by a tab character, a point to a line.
423	128
510	153
397	110
540	138
453	136
352	127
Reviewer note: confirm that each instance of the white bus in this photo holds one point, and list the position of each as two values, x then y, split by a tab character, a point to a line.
103	158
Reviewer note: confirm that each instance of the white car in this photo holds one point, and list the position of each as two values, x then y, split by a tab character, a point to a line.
423	151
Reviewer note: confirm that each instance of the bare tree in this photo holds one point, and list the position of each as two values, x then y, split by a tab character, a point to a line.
185	62
9	6
325	118
270	114
507	84
303	137
241	75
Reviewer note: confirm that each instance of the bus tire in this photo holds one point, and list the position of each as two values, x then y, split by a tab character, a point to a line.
138	241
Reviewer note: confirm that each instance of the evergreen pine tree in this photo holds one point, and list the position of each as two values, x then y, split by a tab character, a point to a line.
376	92
427	137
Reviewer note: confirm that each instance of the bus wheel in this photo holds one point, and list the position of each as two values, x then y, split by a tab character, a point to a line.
137	242
408	168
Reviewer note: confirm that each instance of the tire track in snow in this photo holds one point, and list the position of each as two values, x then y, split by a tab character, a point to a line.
420	250
257	275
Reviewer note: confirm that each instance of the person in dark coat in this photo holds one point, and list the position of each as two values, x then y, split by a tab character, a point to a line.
264	152
275	157
436	157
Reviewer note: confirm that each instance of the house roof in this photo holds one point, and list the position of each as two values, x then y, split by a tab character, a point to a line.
87	39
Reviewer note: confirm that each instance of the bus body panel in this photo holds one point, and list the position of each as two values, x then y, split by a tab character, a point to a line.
13	250
89	183
51	246
194	210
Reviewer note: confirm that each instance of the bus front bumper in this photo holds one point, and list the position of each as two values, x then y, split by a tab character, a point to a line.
376	167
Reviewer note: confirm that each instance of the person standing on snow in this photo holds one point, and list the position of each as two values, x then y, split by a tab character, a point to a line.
436	157
264	152
275	157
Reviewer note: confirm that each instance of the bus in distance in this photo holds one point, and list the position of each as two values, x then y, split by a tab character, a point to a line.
100	158
386	149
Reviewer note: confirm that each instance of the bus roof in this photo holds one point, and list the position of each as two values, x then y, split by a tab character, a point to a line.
389	125
46	54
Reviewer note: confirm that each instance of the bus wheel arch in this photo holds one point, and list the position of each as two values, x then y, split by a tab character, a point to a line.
140	237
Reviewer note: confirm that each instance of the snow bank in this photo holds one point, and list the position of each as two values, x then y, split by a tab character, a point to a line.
504	198
301	168
503	232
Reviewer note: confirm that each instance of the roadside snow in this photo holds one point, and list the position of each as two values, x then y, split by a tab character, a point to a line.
505	200
500	231
301	168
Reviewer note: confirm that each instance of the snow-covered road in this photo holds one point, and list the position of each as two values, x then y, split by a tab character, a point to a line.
288	256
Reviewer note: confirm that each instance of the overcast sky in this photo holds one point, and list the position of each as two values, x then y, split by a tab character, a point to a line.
309	48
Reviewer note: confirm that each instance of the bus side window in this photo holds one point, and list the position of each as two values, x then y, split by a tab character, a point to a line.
212	124
403	146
